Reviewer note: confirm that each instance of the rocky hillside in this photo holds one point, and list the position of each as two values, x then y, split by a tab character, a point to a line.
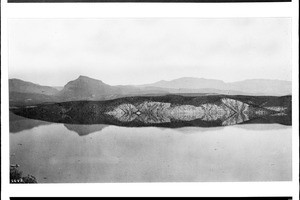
85	88
166	111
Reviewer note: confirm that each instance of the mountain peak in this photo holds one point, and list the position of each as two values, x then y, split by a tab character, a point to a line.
86	78
86	88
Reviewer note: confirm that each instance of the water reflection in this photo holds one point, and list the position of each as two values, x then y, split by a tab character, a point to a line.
18	123
53	153
224	112
83	130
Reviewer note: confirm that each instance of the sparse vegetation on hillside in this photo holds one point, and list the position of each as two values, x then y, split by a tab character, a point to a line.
96	112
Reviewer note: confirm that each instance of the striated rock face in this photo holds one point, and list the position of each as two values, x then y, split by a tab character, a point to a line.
229	111
168	111
277	108
240	110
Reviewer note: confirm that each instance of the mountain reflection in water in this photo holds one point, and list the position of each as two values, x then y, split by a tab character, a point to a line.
83	130
172	112
18	124
54	154
154	139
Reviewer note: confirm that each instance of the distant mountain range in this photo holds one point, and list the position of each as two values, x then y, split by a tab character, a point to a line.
85	88
252	87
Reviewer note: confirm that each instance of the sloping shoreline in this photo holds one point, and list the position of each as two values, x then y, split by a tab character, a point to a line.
166	111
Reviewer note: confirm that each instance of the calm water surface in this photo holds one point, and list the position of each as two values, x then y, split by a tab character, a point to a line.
100	153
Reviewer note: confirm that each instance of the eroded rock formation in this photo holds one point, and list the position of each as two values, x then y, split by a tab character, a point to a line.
229	111
166	111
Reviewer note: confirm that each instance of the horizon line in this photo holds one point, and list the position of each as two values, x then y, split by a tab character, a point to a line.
192	77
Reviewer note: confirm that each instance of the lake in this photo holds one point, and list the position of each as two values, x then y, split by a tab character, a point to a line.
69	153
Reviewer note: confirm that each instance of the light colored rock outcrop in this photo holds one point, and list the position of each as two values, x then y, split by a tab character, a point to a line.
228	111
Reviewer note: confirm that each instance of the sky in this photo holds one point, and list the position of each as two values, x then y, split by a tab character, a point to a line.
128	51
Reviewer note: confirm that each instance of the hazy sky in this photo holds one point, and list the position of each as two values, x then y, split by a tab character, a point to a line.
137	51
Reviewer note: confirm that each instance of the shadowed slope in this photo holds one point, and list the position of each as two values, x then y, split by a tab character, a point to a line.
166	111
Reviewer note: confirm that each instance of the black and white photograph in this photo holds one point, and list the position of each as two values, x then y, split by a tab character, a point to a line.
128	98
150	100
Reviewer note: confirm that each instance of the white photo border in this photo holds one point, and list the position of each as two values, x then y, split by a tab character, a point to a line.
145	10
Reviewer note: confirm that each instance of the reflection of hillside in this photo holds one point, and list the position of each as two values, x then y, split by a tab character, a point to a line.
18	123
82	130
192	130
272	119
169	111
262	127
228	111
